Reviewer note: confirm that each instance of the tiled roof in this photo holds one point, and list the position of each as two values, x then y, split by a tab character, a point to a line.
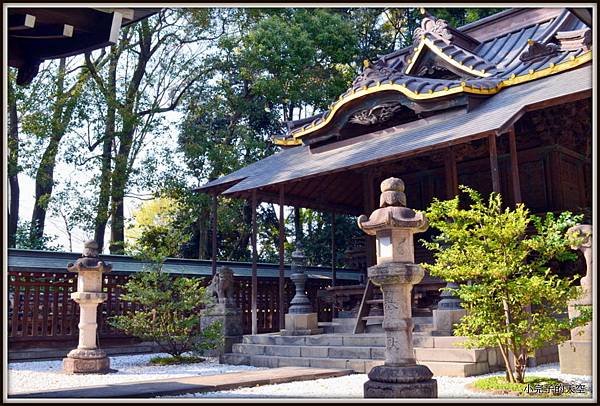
524	54
493	114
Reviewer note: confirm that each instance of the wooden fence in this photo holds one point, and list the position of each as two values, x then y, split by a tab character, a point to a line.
42	314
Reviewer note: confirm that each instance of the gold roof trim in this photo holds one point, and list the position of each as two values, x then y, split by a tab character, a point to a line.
513	80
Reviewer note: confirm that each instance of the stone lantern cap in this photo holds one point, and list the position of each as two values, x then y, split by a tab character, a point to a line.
89	260
393	212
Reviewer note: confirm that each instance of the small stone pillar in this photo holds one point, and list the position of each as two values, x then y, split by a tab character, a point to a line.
300	319
575	355
224	309
87	357
393	225
448	312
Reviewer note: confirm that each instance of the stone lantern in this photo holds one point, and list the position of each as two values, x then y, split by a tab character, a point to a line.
87	357
393	225
576	355
300	319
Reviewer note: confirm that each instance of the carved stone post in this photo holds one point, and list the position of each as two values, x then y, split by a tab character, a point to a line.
87	357
300	319
575	355
224	309
393	225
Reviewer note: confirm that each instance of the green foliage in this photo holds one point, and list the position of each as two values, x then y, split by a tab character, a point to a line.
497	384
167	312
182	359
23	239
500	258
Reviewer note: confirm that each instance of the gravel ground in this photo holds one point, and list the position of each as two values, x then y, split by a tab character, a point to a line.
47	375
351	386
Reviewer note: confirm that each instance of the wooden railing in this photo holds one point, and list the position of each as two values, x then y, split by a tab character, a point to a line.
41	312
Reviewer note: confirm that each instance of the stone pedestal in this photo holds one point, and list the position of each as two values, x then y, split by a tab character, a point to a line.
87	358
231	320
575	355
448	313
396	273
224	310
300	319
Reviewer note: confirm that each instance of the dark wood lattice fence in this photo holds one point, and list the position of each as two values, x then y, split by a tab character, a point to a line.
41	312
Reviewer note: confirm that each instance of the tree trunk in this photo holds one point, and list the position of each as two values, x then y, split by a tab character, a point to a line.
13	169
120	176
64	105
102	211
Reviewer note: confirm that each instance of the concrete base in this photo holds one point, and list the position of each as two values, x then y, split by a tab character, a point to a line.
300	324
575	357
444	321
86	362
412	381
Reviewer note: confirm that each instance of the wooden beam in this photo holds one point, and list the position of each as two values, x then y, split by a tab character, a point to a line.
213	213
514	167
494	163
281	258
290	200
254	266
451	174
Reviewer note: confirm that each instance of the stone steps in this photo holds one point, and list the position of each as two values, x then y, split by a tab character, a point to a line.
359	352
458	369
351	340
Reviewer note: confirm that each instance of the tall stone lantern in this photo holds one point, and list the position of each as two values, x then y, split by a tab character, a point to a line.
300	319
87	357
393	225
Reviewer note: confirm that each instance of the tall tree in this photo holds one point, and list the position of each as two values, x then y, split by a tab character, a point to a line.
148	73
52	123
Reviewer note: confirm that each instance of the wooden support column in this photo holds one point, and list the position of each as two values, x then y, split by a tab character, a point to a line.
281	259
494	163
214	233
369	203
333	249
451	174
514	167
254	266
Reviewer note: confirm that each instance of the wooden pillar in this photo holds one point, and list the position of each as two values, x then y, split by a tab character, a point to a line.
254	266
369	200
297	225
494	163
281	258
333	249
214	234
451	174
514	167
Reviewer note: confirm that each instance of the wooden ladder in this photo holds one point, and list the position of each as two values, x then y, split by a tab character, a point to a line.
367	302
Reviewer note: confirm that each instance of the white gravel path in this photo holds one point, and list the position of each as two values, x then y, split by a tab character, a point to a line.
46	375
351	386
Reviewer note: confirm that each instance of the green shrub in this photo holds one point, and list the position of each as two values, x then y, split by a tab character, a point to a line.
168	313
505	282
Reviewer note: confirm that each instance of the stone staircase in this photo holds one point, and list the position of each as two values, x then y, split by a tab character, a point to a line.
360	352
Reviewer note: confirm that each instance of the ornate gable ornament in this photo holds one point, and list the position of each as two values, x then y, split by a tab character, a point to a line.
436	27
536	50
377	72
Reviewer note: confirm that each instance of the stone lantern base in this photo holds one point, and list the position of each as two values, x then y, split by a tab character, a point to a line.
444	321
80	361
410	381
301	324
